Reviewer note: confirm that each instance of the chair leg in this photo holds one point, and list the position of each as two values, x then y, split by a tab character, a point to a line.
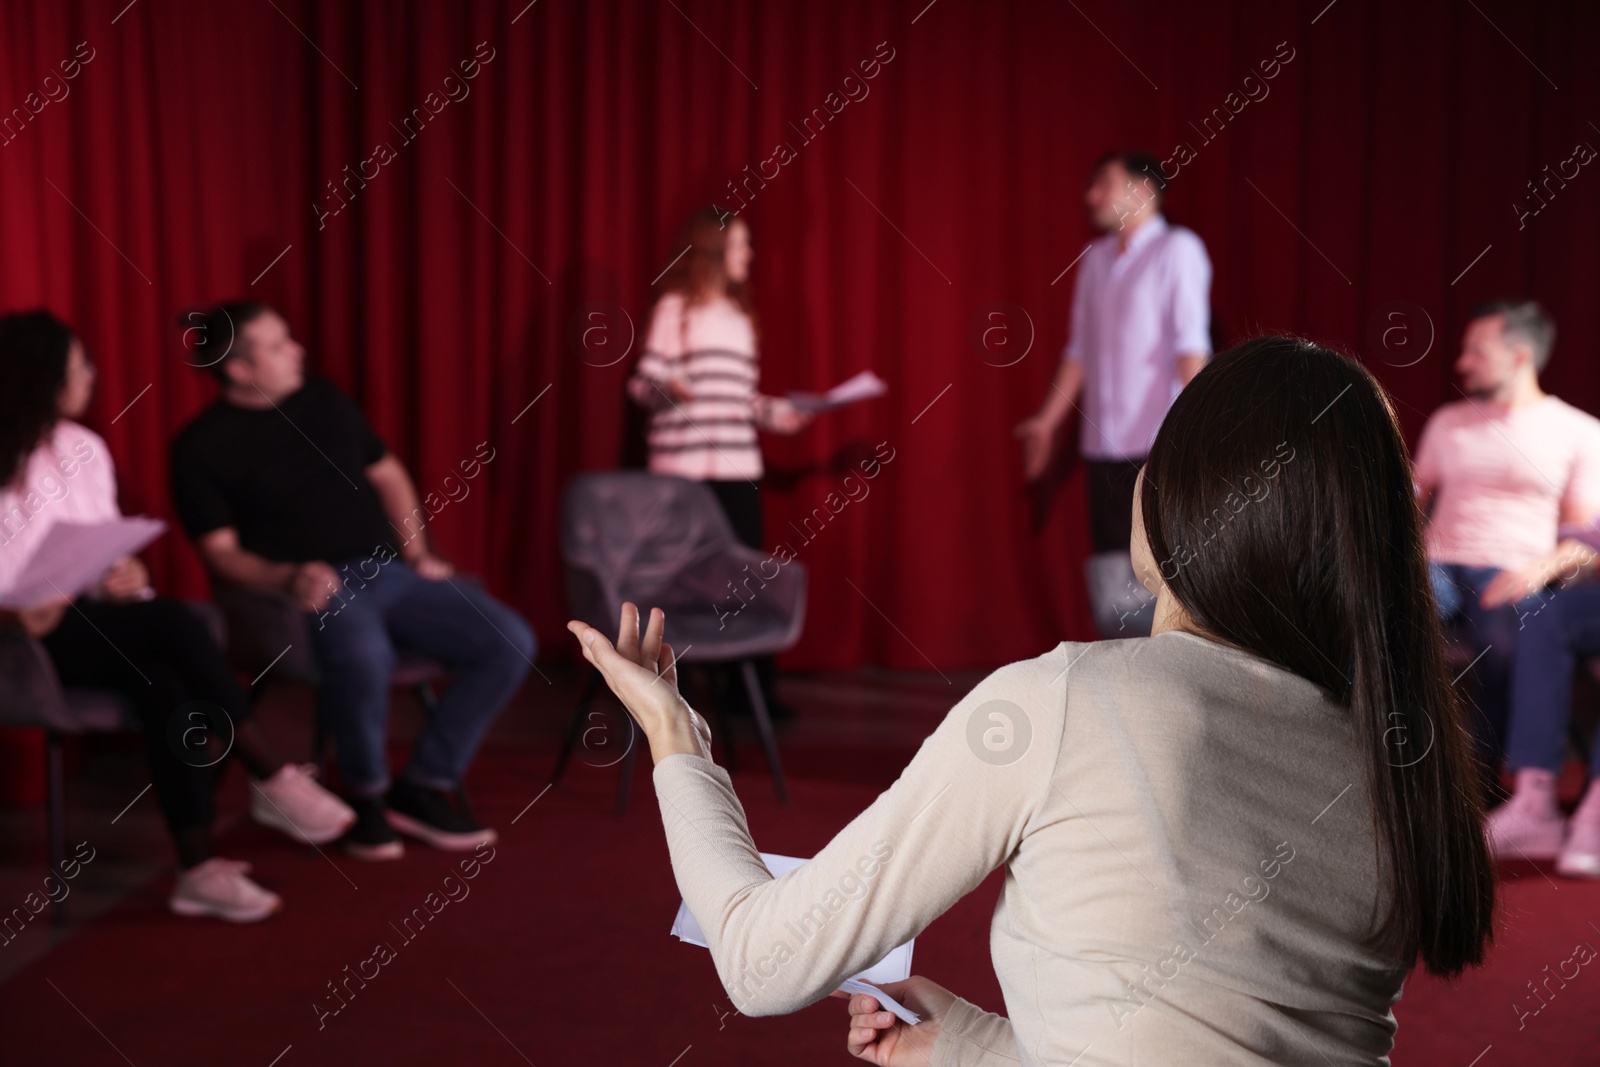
575	726
625	783
730	752
428	699
769	740
56	775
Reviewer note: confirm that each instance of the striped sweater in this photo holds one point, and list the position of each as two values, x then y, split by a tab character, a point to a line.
712	434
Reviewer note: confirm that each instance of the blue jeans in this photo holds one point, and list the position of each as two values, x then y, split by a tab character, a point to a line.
485	645
1566	627
1492	636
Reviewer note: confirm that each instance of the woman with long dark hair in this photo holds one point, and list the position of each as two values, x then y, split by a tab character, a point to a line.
1228	842
699	376
153	650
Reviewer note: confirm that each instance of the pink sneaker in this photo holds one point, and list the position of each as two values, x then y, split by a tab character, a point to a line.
219	888
1581	856
1525	827
293	802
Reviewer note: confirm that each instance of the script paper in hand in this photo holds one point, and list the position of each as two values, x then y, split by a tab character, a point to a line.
894	967
73	556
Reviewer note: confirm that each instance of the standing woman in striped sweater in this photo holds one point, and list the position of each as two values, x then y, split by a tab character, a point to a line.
699	375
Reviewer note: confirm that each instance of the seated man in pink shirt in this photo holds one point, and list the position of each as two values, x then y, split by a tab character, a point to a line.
1502	470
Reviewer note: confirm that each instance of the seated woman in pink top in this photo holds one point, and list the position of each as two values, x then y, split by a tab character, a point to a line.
1228	842
153	650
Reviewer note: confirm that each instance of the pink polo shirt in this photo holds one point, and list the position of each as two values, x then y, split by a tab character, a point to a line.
1501	478
69	478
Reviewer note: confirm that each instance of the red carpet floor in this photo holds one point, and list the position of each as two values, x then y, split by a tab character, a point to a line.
560	954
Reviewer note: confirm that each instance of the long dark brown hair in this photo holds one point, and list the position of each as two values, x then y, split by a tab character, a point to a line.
702	269
1326	576
34	346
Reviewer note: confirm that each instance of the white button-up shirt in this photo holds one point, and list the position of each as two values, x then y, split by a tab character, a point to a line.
1133	314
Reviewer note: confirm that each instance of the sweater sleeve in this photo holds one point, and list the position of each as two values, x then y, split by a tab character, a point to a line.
1580	502
972	1037
1425	460
957	811
1190	309
662	357
97	472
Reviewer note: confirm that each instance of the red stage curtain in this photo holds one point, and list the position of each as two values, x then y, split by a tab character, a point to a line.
182	163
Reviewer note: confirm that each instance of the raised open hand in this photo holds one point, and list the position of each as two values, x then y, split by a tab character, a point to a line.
642	672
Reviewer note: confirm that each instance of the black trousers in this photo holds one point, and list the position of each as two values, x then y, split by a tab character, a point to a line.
1111	483
160	656
741	502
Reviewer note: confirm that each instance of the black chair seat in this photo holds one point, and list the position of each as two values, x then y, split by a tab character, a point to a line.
99	711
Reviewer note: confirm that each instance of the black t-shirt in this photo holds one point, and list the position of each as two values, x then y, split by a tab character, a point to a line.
291	480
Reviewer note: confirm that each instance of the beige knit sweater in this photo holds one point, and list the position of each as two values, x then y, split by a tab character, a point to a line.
1189	853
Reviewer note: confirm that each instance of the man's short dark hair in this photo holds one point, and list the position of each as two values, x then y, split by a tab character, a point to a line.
1524	321
213	336
1139	165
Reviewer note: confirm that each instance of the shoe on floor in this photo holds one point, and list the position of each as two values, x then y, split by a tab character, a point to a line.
430	815
1526	827
220	888
1580	858
371	838
292	801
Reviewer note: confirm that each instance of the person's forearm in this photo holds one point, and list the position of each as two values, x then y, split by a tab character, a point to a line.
1063	392
678	739
38	620
649	393
766	409
1570	558
238	566
398	496
1190	364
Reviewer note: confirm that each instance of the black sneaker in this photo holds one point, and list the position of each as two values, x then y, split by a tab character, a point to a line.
371	838
441	819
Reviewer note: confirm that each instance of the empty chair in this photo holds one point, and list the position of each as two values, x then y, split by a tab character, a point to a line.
663	541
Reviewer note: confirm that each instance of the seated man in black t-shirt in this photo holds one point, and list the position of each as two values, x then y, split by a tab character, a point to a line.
283	485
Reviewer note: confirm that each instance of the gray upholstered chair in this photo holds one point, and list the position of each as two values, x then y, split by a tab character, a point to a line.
662	541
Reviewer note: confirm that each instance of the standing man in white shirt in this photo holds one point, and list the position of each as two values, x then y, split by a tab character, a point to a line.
1141	329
